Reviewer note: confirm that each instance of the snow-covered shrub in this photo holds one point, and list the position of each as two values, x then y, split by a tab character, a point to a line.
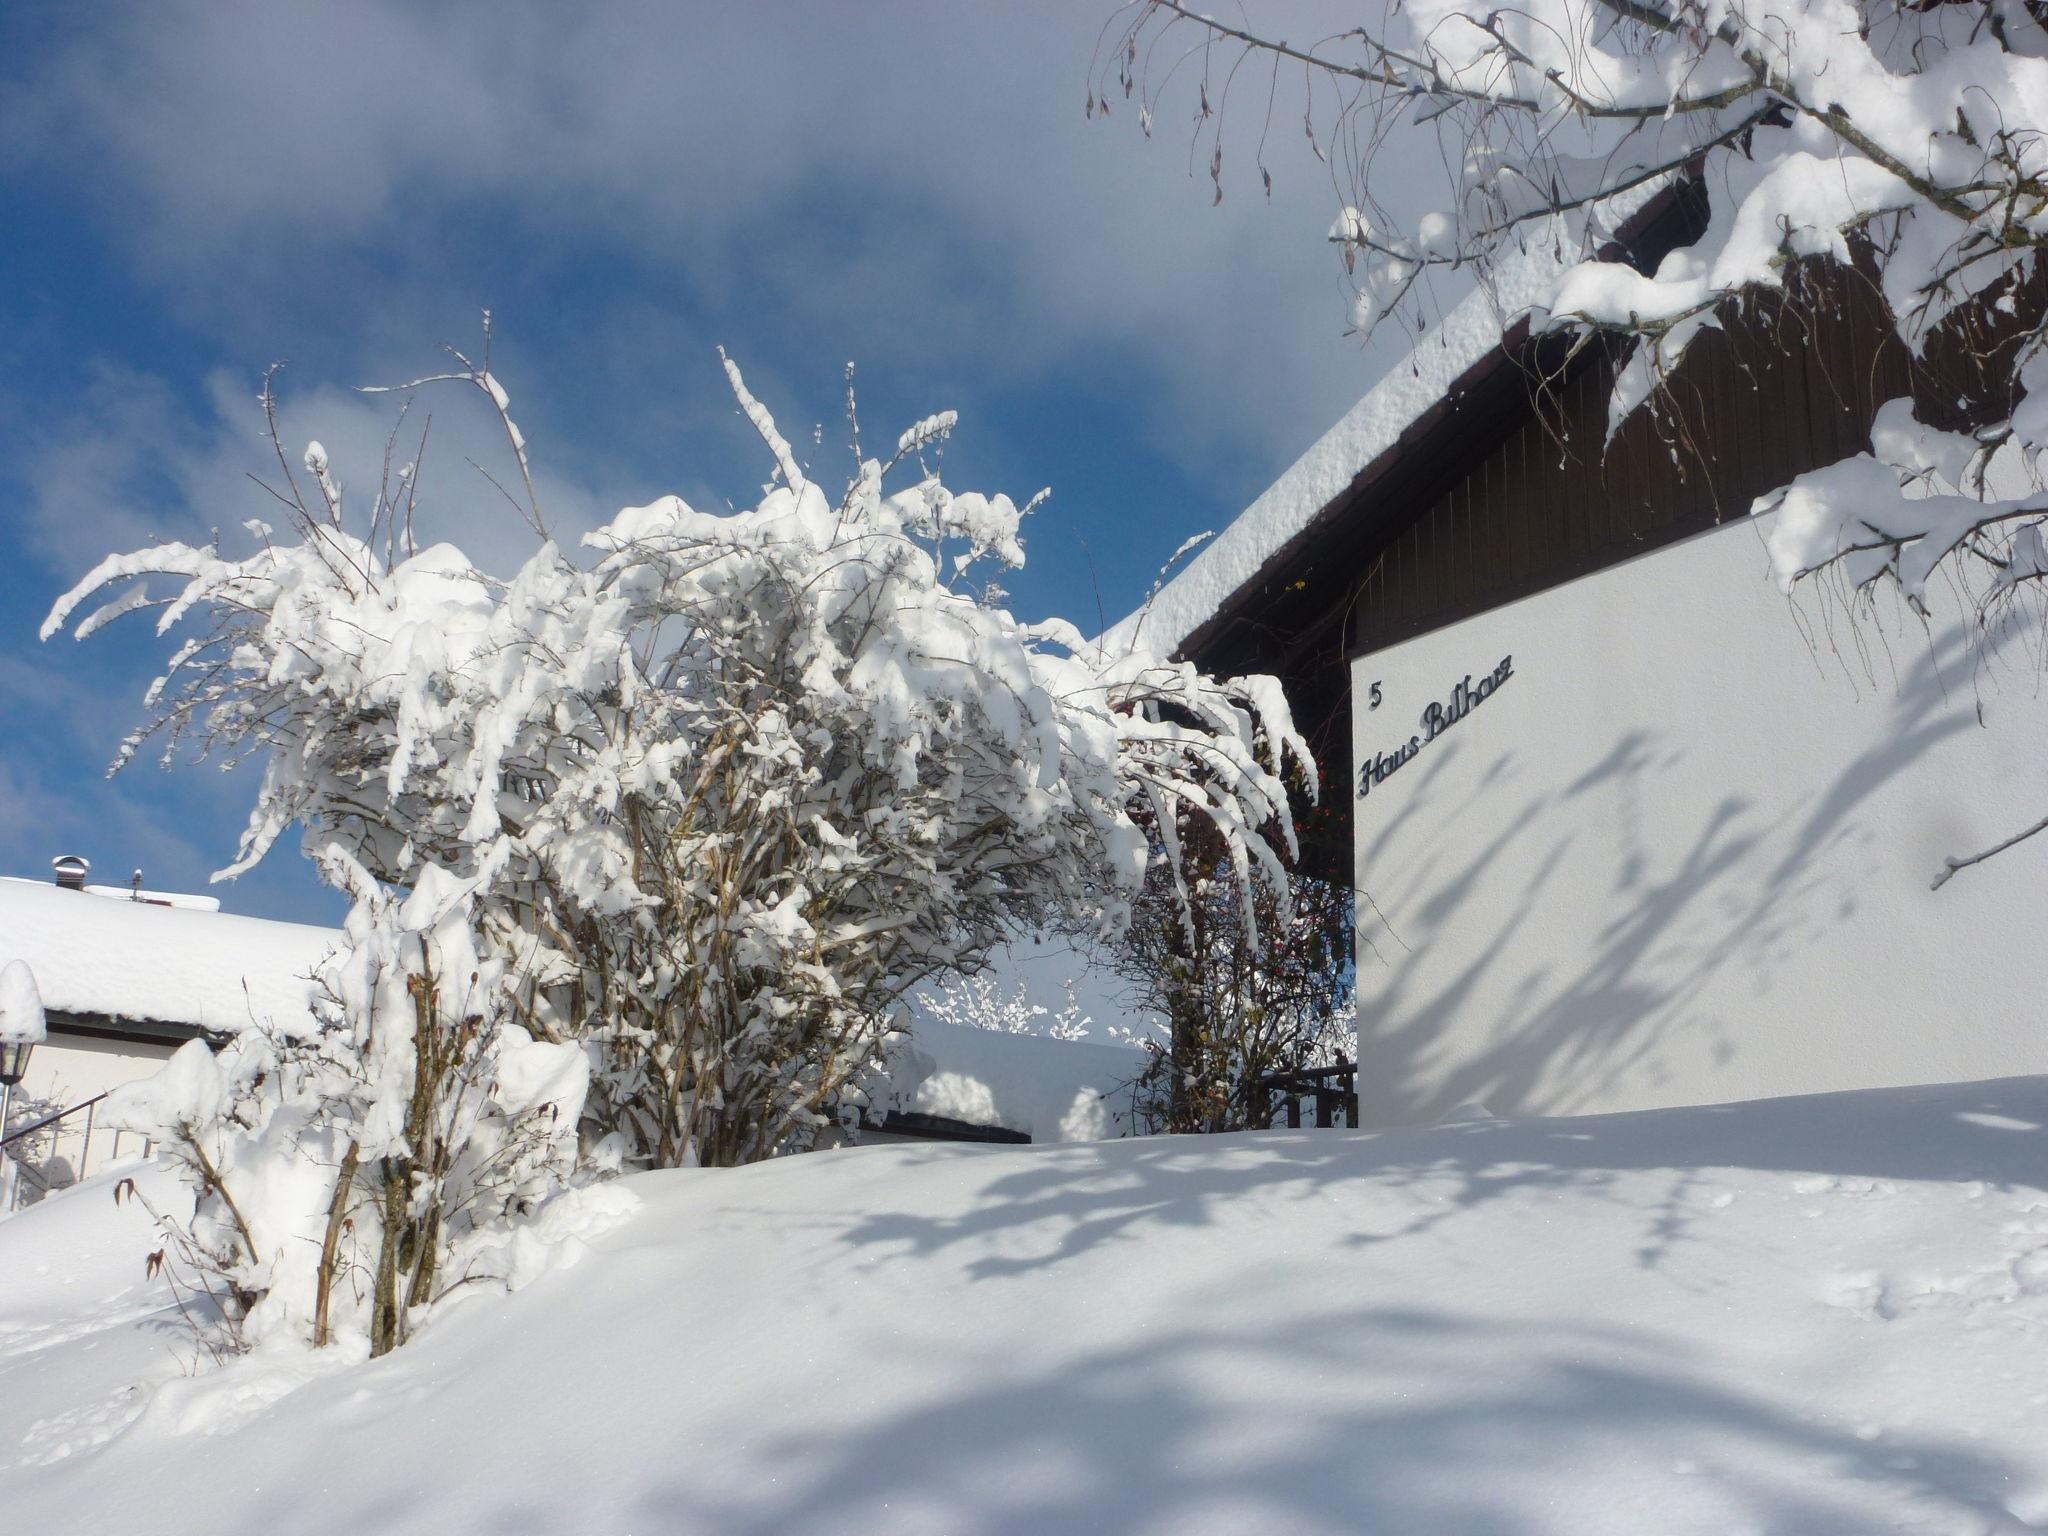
699	810
355	1166
1250	977
1900	146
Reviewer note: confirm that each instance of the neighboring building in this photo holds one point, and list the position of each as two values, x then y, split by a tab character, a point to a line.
1667	837
126	977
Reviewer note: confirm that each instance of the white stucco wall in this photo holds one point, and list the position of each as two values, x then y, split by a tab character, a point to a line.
68	1069
1682	854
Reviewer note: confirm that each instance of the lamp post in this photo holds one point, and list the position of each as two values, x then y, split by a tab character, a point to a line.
21	1029
13	1067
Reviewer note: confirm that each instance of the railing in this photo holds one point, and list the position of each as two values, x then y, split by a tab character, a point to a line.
1332	1089
50	1170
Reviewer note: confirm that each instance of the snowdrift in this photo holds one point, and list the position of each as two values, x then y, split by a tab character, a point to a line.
1808	1315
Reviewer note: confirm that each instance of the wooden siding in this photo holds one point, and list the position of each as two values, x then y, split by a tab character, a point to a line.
1546	498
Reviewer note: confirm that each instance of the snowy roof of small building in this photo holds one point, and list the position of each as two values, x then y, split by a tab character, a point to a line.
1047	1089
113	958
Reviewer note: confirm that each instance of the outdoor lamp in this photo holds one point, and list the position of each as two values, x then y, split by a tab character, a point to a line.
14	1060
21	1020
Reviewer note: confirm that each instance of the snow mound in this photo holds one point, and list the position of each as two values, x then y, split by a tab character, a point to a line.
1800	1316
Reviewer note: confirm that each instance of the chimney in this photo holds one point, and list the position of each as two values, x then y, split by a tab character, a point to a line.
70	871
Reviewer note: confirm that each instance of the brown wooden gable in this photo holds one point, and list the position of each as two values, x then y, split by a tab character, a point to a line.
1545	496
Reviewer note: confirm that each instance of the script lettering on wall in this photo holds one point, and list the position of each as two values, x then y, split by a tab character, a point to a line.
1439	717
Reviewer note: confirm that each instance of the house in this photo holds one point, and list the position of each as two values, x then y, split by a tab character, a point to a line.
127	976
1629	827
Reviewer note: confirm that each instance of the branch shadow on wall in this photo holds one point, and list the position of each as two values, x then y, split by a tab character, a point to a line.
1745	892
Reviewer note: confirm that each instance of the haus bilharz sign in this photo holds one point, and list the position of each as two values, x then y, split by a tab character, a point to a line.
1439	717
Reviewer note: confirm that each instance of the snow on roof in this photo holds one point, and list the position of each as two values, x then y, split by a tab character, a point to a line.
118	958
160	898
1051	1090
1427	374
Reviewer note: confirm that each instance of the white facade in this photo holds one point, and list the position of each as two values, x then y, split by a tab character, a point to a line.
1681	853
71	1068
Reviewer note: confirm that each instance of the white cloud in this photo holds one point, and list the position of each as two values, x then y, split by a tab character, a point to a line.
909	180
130	465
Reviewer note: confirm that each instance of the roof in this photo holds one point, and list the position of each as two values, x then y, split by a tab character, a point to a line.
1451	357
1463	340
168	969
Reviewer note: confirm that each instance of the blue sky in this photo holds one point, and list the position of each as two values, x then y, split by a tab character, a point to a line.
194	190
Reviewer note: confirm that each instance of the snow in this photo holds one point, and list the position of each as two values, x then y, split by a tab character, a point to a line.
135	960
1052	1090
21	1005
1811	1316
155	898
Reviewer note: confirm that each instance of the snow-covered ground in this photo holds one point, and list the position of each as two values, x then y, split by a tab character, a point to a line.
1800	1315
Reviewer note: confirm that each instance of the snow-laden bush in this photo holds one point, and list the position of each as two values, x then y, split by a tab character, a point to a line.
705	805
841	772
1903	146
1251	978
354	1167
